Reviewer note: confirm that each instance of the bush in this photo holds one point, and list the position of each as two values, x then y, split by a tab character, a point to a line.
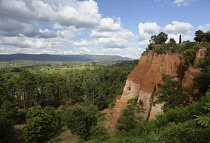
79	119
204	44
130	116
161	48
40	124
191	45
99	133
5	128
188	57
8	111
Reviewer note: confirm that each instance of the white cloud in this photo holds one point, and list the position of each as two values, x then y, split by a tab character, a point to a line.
12	50
204	28
180	3
113	42
47	24
147	29
79	14
84	50
179	27
185	37
24	42
130	52
81	50
144	43
85	43
110	34
108	25
67	53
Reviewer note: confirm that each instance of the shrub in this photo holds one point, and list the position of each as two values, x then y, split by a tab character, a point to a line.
5	128
190	45
40	124
204	44
99	133
188	57
130	116
8	110
161	48
79	119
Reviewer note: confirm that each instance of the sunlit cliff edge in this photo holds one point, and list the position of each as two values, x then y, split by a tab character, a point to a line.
142	81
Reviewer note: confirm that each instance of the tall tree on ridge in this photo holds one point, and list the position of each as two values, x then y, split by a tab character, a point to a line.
180	38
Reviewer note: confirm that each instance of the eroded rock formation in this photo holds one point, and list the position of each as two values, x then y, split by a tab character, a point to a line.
143	80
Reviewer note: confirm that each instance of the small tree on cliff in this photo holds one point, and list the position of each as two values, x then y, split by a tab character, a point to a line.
172	42
160	38
131	116
171	93
199	35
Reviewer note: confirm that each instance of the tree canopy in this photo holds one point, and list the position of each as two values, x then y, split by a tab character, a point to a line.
201	36
160	38
171	93
80	119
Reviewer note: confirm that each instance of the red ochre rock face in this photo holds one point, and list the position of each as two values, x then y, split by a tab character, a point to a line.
142	81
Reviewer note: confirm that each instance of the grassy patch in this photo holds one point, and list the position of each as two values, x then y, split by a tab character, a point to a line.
64	135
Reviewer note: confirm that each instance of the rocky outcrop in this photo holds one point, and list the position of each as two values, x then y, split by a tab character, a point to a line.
147	74
193	71
143	80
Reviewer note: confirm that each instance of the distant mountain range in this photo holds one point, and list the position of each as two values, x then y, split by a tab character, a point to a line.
61	58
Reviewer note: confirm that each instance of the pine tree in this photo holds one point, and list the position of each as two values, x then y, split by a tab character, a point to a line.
180	38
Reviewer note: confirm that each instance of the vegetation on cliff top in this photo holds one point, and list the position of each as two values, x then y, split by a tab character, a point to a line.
158	43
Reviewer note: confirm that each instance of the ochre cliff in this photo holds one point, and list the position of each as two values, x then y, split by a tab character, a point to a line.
143	80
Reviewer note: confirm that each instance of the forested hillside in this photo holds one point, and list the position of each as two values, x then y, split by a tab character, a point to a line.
24	88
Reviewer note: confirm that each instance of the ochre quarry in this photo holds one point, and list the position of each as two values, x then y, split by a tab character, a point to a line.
143	80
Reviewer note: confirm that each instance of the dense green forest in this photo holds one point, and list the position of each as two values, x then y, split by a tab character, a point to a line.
39	105
27	93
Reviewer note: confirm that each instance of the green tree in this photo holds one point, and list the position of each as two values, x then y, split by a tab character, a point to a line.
99	133
40	124
26	88
208	36
199	35
8	111
172	42
180	39
171	93
204	44
160	38
188	57
204	119
6	128
130	116
203	79
80	119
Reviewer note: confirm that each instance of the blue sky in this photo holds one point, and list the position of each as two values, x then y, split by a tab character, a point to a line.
114	27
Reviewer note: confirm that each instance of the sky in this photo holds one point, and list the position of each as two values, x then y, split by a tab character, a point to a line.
99	27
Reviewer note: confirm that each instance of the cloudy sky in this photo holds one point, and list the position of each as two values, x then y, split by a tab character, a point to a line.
117	27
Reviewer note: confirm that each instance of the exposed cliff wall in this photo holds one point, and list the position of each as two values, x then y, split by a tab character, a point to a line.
143	80
147	74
